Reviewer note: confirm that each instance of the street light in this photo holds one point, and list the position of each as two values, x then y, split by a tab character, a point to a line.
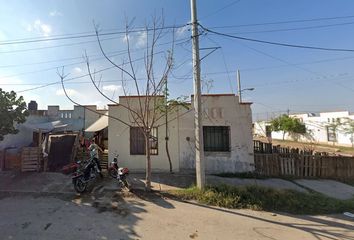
242	90
247	89
239	87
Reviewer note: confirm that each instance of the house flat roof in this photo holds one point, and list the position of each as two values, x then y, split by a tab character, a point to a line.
216	95
140	96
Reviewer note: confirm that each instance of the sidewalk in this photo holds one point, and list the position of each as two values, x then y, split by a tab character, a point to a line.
49	182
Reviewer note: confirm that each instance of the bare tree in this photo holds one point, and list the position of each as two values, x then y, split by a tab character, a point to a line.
146	112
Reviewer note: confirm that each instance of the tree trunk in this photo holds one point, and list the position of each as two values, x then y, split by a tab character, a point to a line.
166	141
168	153
283	135
166	127
148	163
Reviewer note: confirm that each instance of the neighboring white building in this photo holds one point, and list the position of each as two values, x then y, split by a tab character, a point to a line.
262	129
320	128
227	131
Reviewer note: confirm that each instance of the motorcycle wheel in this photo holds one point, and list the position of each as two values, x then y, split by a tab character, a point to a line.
113	173
80	185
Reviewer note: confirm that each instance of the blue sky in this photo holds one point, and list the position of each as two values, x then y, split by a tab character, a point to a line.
284	78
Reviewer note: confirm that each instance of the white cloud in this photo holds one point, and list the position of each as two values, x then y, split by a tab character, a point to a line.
39	27
55	13
77	70
141	41
112	88
182	30
69	91
126	38
9	81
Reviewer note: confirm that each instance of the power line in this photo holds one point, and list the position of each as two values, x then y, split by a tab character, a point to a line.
296	66
82	76
296	28
63	37
76	63
85	75
53	68
220	9
65	45
184	77
180	41
52	61
285	22
279	43
56	46
135	30
301	63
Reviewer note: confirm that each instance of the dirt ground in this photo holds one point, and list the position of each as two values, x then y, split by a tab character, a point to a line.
335	150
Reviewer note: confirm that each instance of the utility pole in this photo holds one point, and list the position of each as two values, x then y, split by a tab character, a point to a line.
239	87
199	147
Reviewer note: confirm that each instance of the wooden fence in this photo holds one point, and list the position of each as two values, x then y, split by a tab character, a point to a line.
263	147
31	159
304	165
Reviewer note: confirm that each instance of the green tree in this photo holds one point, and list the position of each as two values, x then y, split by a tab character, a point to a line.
349	129
12	110
292	126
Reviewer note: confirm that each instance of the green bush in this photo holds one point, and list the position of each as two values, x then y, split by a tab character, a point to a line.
261	198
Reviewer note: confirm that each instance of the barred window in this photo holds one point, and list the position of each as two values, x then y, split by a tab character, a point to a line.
153	141
137	141
216	138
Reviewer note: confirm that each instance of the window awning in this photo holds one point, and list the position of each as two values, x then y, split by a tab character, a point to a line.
100	124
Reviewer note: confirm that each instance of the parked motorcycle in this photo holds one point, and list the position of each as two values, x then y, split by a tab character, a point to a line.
119	173
84	175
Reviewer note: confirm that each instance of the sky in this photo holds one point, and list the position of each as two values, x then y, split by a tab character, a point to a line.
284	79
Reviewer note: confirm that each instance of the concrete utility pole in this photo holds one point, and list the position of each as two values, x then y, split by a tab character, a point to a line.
239	87
199	148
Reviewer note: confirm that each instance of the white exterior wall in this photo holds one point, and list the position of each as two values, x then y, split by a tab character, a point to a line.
259	129
119	141
221	110
317	125
24	136
90	116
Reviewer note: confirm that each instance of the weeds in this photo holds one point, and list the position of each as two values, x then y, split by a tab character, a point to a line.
262	198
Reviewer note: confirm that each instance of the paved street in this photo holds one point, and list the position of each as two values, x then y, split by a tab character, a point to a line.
44	206
110	216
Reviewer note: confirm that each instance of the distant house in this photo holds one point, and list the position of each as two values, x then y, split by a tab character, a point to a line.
51	120
325	127
227	130
48	126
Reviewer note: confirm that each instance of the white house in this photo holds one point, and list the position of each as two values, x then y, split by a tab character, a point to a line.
262	129
227	129
326	127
